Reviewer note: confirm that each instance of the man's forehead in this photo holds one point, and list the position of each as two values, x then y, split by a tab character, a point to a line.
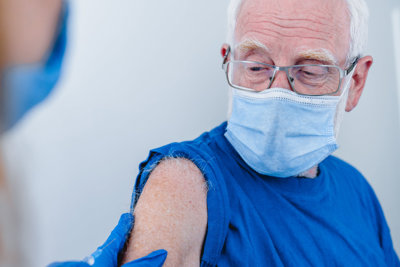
317	11
296	23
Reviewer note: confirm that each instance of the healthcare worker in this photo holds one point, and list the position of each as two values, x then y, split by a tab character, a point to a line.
35	41
8	248
33	37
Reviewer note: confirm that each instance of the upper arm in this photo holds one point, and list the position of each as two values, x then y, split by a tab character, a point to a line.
171	214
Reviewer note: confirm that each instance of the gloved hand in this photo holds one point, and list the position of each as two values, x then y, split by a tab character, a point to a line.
107	254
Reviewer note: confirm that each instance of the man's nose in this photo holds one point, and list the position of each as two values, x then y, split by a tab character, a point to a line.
281	81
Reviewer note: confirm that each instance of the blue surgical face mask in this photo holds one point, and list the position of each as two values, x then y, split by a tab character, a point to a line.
280	133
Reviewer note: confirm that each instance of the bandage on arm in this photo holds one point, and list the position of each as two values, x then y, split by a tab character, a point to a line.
171	214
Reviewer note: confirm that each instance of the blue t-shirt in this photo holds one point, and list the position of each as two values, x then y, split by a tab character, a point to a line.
334	219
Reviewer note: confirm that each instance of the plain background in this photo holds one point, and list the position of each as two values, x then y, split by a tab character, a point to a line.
143	73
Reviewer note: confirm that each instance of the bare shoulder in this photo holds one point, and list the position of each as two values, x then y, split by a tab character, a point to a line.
171	214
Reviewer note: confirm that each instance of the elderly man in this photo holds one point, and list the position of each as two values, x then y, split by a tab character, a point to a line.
262	189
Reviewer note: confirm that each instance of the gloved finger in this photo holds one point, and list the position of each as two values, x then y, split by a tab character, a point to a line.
119	233
154	259
107	254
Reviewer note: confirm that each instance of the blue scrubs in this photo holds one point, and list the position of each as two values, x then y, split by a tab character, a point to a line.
334	219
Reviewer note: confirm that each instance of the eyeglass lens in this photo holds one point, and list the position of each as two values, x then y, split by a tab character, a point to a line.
306	79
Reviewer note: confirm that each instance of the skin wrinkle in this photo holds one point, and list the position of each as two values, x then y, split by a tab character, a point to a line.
295	22
279	34
251	45
316	21
290	27
276	20
319	19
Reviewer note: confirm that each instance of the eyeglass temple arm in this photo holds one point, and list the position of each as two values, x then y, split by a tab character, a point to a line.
226	56
350	69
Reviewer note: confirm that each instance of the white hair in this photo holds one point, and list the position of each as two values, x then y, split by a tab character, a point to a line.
358	13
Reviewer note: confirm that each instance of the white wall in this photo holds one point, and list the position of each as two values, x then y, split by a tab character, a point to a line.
144	73
396	43
370	133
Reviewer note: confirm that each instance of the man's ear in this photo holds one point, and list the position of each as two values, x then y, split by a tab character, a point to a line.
224	49
358	82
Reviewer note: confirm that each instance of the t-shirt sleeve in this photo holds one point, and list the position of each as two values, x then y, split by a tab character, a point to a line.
217	199
377	217
383	231
372	209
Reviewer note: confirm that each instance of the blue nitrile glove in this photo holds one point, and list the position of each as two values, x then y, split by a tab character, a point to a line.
107	254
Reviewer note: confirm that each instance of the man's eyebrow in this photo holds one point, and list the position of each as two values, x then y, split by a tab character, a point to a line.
318	54
250	45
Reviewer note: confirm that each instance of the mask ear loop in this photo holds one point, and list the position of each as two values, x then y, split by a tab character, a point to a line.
230	92
341	106
348	74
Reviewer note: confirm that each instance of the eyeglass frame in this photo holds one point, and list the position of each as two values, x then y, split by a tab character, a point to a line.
343	73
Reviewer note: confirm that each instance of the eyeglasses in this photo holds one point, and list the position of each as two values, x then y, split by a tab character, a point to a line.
307	79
